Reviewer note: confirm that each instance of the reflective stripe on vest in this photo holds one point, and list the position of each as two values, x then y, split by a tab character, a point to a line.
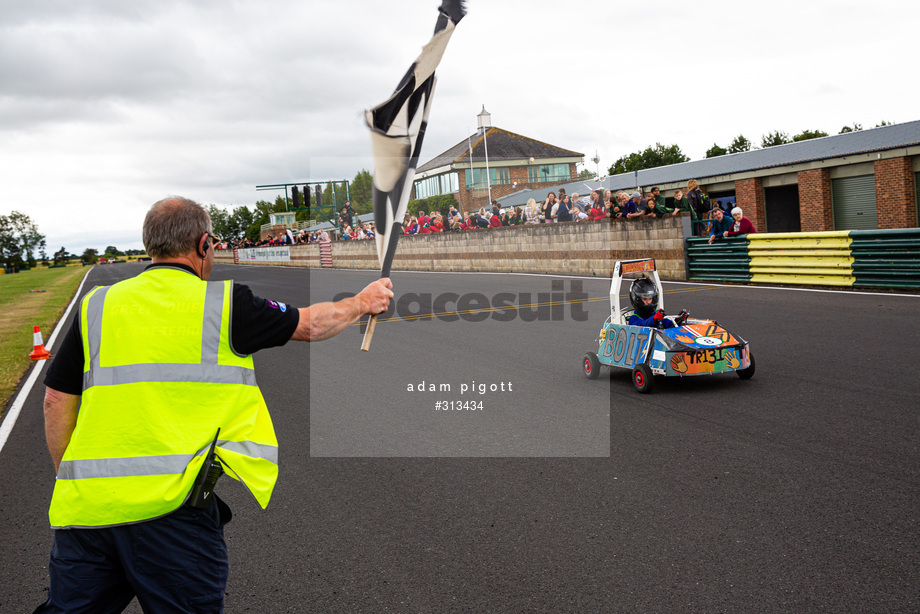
154	465
209	370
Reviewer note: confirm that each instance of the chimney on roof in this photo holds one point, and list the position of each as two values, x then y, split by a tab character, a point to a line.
485	120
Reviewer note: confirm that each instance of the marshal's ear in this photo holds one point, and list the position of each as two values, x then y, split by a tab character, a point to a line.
203	245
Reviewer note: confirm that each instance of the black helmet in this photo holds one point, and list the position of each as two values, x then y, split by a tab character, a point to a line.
643	288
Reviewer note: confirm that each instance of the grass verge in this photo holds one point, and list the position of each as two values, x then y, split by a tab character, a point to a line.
22	309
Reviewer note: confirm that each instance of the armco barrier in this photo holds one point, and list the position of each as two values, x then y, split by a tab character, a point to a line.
726	260
857	258
801	258
886	258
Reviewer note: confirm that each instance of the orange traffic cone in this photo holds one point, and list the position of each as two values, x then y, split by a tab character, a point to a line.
39	352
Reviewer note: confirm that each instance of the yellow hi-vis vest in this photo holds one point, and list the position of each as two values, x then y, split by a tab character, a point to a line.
160	377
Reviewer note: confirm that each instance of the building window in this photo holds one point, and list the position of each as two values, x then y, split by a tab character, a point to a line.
478	180
546	173
447	183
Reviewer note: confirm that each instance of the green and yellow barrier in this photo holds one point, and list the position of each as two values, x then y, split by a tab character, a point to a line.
848	258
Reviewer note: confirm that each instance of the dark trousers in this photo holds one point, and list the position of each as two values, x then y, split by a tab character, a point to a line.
176	563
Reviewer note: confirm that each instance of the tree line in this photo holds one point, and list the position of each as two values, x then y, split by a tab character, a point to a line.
20	240
662	155
23	246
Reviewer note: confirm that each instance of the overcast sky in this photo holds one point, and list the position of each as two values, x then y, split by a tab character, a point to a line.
106	106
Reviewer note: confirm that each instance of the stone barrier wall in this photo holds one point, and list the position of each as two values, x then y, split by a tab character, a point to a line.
572	248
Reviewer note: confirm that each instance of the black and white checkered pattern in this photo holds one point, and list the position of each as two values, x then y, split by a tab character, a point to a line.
397	130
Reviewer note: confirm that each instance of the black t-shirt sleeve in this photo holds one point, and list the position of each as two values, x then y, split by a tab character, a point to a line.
65	373
258	323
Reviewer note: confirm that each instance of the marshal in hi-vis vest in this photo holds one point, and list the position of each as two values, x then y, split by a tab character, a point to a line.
160	377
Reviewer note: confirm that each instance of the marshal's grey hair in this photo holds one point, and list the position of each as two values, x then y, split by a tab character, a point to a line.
174	226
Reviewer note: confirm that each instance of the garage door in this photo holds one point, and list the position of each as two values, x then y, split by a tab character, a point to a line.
854	203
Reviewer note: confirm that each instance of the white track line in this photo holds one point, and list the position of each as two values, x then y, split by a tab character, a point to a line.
9	421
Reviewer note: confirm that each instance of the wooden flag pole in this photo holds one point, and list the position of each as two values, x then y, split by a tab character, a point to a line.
385	267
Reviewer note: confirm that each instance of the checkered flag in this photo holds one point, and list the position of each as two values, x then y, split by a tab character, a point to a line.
397	130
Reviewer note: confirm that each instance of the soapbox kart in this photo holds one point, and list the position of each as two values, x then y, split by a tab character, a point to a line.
695	347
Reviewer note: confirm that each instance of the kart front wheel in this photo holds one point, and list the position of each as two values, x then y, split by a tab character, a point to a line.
643	379
591	366
749	372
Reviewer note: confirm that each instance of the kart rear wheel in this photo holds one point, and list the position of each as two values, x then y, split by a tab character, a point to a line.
643	379
591	366
749	372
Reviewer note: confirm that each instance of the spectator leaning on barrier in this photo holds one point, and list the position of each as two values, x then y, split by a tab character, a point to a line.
570	203
424	223
579	207
634	208
740	226
660	209
618	205
563	213
598	212
682	204
130	432
531	212
578	204
453	218
720	223
584	205
495	220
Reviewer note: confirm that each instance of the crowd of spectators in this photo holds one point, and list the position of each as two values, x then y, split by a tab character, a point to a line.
287	238
622	205
561	207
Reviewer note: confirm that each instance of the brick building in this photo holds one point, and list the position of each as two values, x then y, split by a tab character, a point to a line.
514	162
861	180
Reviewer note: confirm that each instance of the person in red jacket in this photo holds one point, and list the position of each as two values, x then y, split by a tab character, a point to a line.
424	223
495	221
597	212
742	225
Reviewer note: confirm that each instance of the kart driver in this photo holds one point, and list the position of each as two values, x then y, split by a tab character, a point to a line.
643	294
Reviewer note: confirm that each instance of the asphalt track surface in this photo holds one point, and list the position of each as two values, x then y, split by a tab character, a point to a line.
796	491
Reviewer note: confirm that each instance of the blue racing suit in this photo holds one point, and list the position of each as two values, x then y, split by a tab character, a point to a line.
635	320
